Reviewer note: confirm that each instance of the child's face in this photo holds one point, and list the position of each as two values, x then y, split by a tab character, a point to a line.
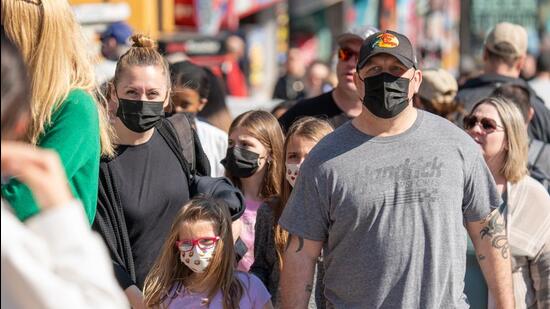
297	149
187	100
200	236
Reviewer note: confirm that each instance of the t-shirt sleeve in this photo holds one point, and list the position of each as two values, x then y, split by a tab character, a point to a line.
306	212
480	192
258	293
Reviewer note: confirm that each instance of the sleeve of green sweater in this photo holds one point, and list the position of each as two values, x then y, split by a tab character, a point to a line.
74	134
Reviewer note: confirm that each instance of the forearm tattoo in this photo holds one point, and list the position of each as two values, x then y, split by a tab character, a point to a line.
300	243
495	231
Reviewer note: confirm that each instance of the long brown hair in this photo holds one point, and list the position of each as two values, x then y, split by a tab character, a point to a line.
264	127
310	128
169	272
53	48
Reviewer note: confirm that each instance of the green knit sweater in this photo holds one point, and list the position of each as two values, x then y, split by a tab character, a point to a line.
74	133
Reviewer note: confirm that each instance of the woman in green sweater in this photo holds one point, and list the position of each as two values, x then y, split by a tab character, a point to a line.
65	116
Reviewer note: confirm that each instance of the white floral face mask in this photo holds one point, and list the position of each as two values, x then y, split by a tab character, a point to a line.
292	172
197	259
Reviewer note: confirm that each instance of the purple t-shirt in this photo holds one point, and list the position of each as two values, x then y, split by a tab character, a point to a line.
255	296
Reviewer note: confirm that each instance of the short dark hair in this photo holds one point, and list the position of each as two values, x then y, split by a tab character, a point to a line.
188	75
517	94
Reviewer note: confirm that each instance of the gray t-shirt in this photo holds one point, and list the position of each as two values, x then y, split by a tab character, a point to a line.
391	212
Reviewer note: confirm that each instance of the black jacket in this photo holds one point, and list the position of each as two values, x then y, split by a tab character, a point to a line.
480	87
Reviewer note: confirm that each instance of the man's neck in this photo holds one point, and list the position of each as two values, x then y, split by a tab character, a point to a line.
375	126
501	69
348	101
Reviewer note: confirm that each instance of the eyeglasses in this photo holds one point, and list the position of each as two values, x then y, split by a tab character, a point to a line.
345	54
203	243
487	124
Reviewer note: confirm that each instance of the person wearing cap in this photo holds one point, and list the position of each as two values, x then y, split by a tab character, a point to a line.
114	43
391	197
504	55
437	95
342	103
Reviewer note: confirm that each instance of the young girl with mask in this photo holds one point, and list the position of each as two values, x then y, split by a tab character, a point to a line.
144	185
270	242
196	267
252	163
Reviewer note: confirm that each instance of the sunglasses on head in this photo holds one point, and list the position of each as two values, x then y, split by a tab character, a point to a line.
487	124
345	54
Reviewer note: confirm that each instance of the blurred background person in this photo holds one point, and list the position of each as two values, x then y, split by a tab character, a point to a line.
529	69
65	117
437	95
499	128
541	82
53	260
291	85
114	43
317	79
342	103
189	94
235	78
504	55
216	111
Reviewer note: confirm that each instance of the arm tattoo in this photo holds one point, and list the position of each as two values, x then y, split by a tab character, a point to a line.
300	244
496	233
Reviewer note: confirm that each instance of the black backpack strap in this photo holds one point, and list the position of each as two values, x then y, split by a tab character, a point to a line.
184	135
169	135
535	150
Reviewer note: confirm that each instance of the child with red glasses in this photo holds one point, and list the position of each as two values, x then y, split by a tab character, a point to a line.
196	266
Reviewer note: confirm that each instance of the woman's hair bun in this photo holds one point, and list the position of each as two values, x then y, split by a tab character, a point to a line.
141	40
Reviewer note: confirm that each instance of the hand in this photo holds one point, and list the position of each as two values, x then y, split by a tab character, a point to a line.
40	170
135	297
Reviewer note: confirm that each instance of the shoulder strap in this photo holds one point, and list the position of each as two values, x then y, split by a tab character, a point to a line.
169	135
184	135
535	150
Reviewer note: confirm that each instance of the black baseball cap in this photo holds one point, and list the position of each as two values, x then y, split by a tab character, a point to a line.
388	42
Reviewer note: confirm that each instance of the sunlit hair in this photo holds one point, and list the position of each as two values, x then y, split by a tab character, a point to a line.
309	128
142	53
517	141
264	127
55	52
169	272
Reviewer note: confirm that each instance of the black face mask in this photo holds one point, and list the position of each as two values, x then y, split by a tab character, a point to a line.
386	95
139	116
240	162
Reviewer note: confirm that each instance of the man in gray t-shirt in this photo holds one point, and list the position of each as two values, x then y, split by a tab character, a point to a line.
390	197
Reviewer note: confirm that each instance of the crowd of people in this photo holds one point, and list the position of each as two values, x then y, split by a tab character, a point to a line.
127	185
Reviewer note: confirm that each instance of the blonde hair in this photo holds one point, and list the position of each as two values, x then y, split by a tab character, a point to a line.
517	141
168	271
142	53
264	127
312	129
52	46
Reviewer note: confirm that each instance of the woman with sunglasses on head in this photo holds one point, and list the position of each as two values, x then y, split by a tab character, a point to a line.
497	125
196	265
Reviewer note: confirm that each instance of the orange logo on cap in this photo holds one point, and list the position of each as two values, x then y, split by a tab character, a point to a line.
386	40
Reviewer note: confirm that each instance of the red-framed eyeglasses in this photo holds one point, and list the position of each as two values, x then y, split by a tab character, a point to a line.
203	243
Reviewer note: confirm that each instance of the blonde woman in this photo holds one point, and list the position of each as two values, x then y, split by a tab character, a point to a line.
497	125
65	116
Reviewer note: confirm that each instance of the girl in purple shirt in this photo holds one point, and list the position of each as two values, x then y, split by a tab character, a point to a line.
196	267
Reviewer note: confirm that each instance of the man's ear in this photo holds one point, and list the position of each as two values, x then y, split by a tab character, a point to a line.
418	78
530	114
520	62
